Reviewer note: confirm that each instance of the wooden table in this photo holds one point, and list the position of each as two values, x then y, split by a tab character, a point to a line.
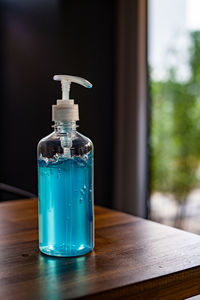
133	259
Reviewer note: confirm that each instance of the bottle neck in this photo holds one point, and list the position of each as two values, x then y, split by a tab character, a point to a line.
63	127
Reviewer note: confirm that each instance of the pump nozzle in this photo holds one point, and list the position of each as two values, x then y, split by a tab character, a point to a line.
66	82
66	110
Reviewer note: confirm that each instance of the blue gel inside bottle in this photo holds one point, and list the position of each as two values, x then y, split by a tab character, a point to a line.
66	206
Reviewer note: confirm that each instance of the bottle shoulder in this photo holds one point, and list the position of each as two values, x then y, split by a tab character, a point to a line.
53	136
80	137
49	137
52	144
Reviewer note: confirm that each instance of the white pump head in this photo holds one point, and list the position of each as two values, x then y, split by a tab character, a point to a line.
66	110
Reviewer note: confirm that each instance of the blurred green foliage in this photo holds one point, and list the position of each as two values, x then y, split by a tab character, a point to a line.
175	130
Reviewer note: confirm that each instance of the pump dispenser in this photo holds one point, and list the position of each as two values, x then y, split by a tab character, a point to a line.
66	110
65	181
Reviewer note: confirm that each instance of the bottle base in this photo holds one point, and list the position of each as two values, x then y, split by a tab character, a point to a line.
63	251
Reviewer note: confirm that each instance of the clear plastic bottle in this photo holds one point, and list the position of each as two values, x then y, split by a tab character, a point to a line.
65	185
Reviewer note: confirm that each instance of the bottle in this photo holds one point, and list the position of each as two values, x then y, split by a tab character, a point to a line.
65	181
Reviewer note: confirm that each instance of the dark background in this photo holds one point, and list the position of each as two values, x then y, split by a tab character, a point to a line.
40	39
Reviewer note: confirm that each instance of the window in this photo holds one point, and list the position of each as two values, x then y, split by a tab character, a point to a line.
174	72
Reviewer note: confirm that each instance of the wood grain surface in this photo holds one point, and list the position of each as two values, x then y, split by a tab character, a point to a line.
133	259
